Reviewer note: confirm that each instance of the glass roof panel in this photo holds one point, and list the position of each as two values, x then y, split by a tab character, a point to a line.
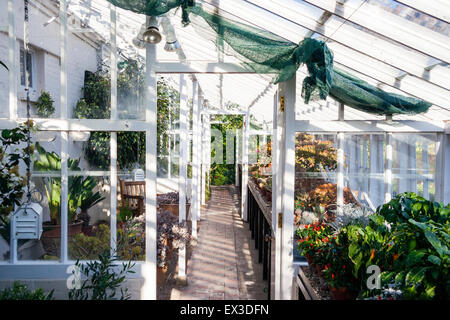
364	53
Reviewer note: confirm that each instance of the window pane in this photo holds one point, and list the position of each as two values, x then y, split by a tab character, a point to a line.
364	169
4	77
46	180
22	68
88	201
414	164
315	177
29	65
131	195
89	76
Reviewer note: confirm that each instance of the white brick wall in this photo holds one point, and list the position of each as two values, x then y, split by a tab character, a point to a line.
46	41
4	77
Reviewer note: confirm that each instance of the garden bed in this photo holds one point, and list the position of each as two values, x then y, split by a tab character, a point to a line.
313	282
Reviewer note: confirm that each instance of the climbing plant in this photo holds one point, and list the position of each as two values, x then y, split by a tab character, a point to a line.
44	105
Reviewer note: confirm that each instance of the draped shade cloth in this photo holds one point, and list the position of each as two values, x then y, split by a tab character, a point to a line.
264	52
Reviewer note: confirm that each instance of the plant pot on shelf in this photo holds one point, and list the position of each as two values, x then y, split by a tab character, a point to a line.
163	272
54	230
319	269
173	208
341	293
309	259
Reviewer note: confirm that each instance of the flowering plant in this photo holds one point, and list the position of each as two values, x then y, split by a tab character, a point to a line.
312	238
337	266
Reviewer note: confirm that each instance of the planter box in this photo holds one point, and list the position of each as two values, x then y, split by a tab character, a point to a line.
54	230
340	293
173	208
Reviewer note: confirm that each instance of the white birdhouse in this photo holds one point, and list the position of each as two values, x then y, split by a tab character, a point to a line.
26	222
138	175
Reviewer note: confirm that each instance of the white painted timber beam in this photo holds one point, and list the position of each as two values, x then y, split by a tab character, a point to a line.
182	176
368	126
288	90
196	212
388	25
80	124
245	161
436	8
199	67
443	168
13	54
148	290
277	193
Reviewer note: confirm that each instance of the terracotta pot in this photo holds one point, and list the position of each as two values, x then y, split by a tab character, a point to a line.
162	272
173	208
319	269
161	276
54	230
340	293
309	259
88	230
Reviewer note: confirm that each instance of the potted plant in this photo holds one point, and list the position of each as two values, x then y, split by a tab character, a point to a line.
170	202
81	195
44	105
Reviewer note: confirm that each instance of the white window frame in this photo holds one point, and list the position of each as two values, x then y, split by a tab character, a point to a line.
33	55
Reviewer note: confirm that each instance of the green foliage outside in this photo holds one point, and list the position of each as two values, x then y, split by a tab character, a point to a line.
223	173
21	292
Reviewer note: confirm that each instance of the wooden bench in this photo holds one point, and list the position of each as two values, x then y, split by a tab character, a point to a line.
133	196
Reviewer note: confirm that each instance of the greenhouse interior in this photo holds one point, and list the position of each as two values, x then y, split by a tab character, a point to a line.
225	149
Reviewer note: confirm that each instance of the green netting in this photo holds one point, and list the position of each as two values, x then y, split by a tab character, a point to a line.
261	51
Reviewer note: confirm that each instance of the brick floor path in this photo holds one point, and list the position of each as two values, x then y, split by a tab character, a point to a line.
224	262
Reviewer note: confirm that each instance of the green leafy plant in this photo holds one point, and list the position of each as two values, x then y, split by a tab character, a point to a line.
124	214
103	279
21	292
11	182
44	105
80	192
421	259
407	238
409	205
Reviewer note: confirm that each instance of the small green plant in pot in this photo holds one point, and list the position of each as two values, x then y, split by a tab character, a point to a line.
44	105
81	195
